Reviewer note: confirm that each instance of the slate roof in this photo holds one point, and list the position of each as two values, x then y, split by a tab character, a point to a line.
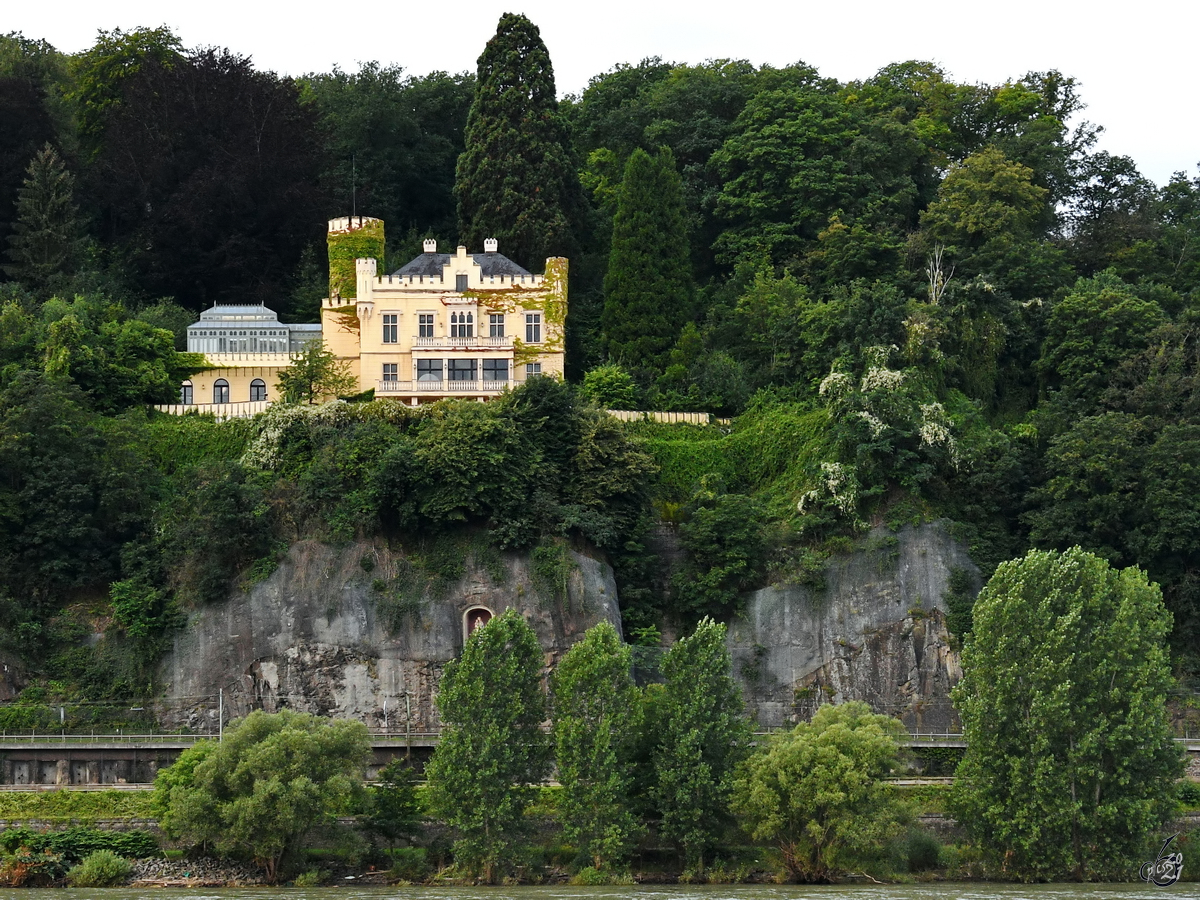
431	265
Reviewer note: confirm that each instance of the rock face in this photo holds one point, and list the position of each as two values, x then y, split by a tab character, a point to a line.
323	634
876	632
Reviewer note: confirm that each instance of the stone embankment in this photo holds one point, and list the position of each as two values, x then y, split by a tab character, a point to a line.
192	873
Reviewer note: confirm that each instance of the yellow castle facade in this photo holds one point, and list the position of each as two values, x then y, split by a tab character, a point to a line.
460	324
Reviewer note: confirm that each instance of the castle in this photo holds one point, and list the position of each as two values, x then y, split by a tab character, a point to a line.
459	324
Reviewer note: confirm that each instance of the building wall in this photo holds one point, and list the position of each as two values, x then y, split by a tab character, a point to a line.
362	332
239	378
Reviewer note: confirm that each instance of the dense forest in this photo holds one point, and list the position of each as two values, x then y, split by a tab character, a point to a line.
915	298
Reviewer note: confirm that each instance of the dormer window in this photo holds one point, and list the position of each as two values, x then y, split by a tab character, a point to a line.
460	283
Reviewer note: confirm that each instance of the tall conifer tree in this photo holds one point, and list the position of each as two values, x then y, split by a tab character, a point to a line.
45	237
517	180
648	288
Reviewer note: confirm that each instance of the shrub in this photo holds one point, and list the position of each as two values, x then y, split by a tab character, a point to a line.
101	869
409	863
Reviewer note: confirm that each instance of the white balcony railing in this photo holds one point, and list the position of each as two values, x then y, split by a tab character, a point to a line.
440	387
464	343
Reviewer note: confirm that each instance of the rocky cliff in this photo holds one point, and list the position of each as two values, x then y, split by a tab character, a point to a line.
326	634
875	630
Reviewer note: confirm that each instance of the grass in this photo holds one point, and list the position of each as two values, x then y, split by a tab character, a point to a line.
83	807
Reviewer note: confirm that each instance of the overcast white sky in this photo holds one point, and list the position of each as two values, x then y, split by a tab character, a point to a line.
1136	61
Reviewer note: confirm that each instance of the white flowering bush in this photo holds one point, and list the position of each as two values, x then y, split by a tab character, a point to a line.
888	430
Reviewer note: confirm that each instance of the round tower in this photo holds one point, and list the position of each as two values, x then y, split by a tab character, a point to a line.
351	238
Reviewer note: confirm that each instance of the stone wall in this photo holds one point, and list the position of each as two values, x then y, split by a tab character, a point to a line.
311	637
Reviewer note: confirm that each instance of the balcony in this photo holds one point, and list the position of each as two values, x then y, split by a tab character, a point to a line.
467	343
447	388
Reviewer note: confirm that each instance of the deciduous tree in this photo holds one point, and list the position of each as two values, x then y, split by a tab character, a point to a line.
704	737
261	789
817	791
1070	764
492	750
595	707
315	373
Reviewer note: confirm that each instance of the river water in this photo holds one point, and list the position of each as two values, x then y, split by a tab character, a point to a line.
941	891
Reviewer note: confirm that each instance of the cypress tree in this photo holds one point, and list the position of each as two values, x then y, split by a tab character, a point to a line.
45	236
517	180
648	288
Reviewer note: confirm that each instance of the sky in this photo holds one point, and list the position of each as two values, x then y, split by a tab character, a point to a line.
1135	62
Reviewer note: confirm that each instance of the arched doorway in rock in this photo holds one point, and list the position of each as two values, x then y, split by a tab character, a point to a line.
474	619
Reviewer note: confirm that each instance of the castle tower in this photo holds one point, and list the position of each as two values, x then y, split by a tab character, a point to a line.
351	238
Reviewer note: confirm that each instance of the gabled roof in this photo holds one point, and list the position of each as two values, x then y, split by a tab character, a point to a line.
431	265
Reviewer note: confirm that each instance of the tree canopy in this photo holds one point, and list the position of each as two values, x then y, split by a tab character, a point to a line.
1070	764
265	785
516	180
492	749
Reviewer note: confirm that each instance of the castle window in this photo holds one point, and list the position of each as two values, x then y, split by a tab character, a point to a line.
460	283
221	391
496	325
185	393
425	325
391	371
258	390
495	370
532	369
429	370
462	369
533	328
390	328
462	325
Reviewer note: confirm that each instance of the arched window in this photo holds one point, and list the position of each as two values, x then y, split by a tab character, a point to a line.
258	389
185	393
474	619
221	391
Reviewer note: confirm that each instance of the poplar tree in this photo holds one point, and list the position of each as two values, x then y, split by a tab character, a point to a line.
595	705
1070	764
648	288
517	180
45	236
492	751
704	738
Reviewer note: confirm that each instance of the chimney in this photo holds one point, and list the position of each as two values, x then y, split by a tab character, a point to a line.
430	245
490	245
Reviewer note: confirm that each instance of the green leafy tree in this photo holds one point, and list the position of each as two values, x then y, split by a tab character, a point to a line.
517	180
1091	331
394	810
394	140
817	792
72	491
726	541
595	707
492	751
1070	764
648	289
704	738
265	786
46	236
315	374
609	387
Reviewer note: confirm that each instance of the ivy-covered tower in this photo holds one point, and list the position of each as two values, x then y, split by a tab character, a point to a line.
351	238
